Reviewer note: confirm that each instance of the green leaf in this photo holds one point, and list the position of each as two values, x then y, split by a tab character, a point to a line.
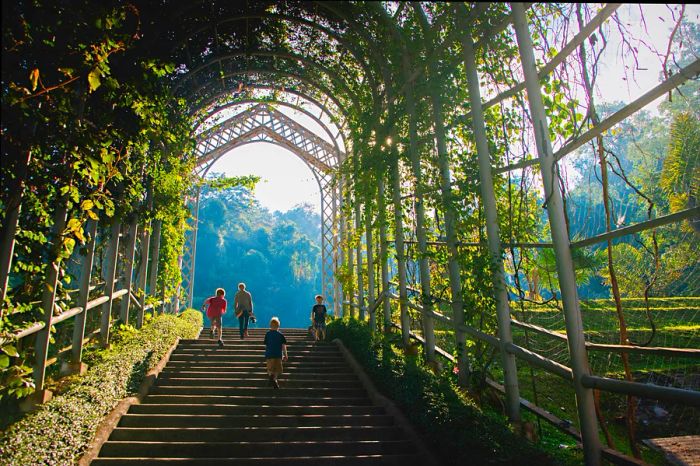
94	79
10	351
4	361
87	204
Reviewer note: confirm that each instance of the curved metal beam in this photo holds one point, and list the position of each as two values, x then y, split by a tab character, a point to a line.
359	58
312	100
262	53
293	107
327	92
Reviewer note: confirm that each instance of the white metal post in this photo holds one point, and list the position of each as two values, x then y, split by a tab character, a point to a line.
400	252
76	362
560	239
143	272
48	300
370	263
383	253
155	257
358	252
128	276
423	260
492	231
109	276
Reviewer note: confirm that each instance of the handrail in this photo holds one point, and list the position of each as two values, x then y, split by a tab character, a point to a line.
658	350
619	386
37	326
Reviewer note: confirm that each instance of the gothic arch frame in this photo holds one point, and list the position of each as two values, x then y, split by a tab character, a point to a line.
263	123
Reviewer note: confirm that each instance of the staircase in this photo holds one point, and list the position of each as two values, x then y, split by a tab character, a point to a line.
213	405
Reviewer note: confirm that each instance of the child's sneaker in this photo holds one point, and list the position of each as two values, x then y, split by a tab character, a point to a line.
211	333
275	384
221	343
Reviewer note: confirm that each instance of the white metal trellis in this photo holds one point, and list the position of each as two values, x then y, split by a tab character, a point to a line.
262	123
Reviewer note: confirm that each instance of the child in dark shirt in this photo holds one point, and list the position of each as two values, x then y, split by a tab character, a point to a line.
275	351
318	318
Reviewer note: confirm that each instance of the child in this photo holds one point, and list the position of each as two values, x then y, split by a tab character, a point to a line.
275	351
216	307
318	318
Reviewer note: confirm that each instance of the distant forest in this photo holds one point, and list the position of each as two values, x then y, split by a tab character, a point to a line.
276	254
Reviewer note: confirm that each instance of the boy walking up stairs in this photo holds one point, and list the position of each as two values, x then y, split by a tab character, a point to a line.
214	406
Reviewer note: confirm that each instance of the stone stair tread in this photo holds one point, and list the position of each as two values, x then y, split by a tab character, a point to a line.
258	433
213	405
358	460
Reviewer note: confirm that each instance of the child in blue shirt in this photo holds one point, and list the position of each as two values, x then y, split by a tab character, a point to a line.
275	351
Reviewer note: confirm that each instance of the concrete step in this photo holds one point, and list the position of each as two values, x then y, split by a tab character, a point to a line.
223	356
229	420
257	434
257	350
289	382
331	460
255	341
213	406
214	409
242	366
278	399
233	449
260	373
257	391
255	346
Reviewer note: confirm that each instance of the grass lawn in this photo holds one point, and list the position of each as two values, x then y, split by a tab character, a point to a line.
670	322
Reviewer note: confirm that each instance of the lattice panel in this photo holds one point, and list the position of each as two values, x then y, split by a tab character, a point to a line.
261	123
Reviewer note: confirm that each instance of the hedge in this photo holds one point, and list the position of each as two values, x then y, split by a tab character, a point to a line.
456	429
60	431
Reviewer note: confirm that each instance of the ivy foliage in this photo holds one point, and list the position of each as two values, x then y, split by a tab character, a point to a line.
61	430
449	421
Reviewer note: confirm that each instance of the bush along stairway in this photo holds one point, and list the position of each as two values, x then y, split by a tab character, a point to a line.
213	405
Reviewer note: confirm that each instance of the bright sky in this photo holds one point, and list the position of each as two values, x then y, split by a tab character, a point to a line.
286	180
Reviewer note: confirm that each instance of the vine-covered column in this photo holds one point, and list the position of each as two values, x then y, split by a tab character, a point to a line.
423	261
560	239
369	240
450	215
8	229
400	249
110	270
337	291
155	255
358	251
341	247
48	301
76	365
488	197
193	257
128	275
143	273
383	253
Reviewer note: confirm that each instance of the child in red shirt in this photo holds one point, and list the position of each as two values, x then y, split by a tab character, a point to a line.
216	307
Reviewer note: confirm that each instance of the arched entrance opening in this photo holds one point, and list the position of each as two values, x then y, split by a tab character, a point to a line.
263	123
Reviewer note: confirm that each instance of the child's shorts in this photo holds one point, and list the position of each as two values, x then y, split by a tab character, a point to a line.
215	321
274	366
319	325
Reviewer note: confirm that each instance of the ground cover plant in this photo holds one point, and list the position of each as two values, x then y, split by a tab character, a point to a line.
676	322
452	425
59	432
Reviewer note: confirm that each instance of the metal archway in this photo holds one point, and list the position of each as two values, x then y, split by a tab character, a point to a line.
262	123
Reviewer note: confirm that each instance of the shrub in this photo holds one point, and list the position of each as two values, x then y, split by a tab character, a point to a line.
60	431
450	423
